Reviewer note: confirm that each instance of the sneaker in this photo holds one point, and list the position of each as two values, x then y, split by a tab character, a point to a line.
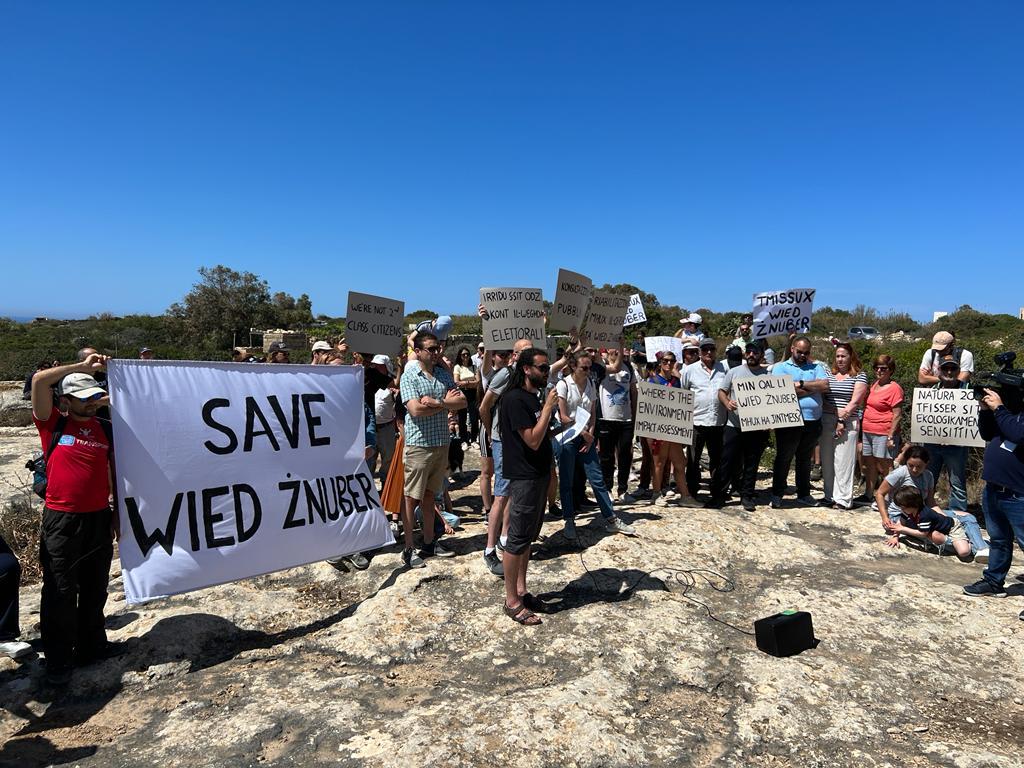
15	649
984	588
660	501
358	561
981	556
688	501
615	525
670	494
640	494
412	559
440	550
776	502
494	564
816	472
807	501
874	506
569	531
748	504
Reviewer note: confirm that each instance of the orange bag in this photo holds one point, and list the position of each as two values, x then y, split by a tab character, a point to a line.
394	485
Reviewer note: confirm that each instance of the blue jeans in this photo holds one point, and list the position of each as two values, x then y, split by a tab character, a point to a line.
591	466
1004	519
971	528
954	458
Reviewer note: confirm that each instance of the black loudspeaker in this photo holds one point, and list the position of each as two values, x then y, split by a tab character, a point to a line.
785	634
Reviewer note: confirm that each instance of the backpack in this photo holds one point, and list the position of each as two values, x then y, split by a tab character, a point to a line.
38	464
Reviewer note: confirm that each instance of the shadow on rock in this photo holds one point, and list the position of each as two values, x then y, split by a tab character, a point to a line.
200	639
602	585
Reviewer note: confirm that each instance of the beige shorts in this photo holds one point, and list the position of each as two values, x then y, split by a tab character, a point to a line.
425	469
957	532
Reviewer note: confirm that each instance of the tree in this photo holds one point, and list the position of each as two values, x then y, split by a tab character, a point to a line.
223	304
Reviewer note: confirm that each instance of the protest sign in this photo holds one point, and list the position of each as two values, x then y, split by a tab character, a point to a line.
226	471
512	314
572	295
635	314
766	402
945	417
778	313
664	413
373	324
603	326
656	344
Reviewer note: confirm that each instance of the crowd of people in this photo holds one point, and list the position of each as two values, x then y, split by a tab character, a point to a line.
546	428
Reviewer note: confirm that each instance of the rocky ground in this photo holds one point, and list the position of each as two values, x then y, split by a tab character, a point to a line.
644	661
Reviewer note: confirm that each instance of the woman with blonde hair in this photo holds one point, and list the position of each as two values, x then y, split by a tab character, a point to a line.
840	424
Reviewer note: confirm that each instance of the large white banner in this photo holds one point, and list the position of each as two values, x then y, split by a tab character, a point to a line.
231	470
945	417
779	313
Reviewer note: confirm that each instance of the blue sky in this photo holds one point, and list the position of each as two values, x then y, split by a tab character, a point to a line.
422	150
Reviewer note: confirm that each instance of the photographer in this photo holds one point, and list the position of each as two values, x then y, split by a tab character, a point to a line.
1003	497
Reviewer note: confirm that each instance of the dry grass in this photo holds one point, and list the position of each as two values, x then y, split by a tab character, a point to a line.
19	526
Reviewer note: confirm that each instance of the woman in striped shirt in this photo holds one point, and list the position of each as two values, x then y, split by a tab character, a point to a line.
840	422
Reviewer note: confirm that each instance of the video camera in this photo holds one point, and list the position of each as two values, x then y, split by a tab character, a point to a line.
1007	381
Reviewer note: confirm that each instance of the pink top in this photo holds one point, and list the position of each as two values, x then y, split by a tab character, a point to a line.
878	413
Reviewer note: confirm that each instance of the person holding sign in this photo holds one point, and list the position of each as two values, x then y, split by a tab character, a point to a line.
738	447
840	423
952	457
663	451
577	410
78	526
429	394
810	382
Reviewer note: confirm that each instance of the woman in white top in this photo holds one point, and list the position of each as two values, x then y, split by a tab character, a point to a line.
577	398
466	379
842	405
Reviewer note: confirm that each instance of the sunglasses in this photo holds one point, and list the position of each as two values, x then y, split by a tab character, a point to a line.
91	398
668	361
881	367
431	349
543	368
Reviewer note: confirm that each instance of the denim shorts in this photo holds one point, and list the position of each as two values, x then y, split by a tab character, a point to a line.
500	483
875	445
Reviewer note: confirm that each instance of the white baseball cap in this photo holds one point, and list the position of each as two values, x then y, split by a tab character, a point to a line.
321	346
80	385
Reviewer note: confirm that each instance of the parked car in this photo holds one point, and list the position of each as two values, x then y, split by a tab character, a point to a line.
862	332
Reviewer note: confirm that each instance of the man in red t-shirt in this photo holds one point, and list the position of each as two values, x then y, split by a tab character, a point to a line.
75	547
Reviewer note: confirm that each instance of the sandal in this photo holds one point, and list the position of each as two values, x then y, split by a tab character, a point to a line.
534	604
522	615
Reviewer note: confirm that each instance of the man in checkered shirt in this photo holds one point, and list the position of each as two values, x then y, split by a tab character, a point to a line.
429	394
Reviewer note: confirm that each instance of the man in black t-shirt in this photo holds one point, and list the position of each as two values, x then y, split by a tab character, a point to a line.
526	465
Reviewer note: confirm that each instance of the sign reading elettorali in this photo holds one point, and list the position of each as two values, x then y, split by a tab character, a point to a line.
512	314
945	416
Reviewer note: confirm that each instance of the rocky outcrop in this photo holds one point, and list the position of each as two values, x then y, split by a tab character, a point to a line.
643	661
14	412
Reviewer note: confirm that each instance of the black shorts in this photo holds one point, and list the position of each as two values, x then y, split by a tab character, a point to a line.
527	500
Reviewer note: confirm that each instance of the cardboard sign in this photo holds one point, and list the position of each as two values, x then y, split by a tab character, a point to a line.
779	313
513	314
656	344
635	314
226	471
572	295
664	413
603	326
373	324
945	417
766	402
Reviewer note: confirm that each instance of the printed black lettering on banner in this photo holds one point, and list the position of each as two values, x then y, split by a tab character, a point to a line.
289	422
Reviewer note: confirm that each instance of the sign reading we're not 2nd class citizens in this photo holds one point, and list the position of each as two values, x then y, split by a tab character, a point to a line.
373	324
512	314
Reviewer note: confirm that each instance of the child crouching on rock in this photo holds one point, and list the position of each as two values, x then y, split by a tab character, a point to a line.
920	522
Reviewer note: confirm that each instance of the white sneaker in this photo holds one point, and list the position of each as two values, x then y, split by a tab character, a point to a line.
981	556
670	494
15	649
660	500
